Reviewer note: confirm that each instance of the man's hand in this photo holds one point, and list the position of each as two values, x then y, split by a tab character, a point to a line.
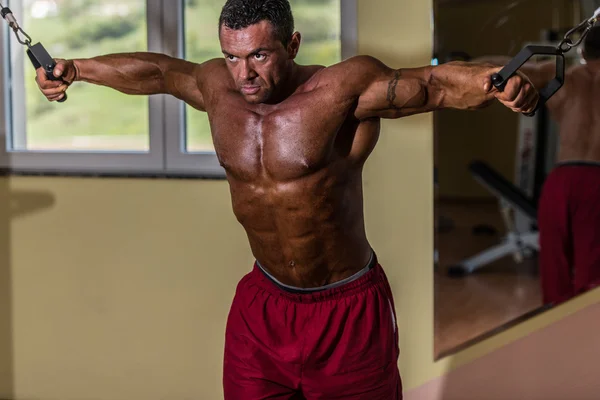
55	90
519	94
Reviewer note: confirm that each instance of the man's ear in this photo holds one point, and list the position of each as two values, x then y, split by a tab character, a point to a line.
294	45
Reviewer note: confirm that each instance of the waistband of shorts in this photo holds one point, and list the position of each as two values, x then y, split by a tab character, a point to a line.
577	163
370	264
370	279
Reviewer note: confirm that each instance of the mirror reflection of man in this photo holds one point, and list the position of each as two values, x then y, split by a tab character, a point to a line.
569	207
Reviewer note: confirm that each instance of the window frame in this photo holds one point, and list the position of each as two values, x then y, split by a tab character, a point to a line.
166	155
110	162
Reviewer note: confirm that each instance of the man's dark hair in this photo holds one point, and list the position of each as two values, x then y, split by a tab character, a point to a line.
591	44
240	14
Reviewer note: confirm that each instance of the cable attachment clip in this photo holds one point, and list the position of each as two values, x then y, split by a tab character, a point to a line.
7	14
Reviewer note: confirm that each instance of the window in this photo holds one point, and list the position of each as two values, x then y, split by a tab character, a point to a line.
94	117
100	130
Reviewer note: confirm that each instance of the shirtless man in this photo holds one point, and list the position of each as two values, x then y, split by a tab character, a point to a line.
569	206
315	318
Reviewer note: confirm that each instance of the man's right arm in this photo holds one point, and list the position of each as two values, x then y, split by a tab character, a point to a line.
130	73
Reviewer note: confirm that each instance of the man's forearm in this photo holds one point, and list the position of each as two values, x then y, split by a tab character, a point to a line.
130	73
460	85
496	60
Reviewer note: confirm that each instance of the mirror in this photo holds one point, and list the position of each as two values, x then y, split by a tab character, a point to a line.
498	172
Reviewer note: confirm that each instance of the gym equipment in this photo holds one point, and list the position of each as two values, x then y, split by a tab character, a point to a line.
510	198
38	55
499	80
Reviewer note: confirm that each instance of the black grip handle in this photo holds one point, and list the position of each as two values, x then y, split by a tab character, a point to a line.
40	58
500	79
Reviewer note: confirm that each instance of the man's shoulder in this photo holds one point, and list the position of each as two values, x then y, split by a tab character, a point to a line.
583	71
214	65
213	73
579	76
353	70
359	63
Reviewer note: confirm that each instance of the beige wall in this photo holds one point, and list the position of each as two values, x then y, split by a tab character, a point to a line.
555	363
118	289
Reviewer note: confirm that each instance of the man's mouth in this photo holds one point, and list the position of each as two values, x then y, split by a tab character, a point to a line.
249	90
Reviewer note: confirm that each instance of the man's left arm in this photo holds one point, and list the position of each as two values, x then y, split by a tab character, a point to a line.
389	93
539	73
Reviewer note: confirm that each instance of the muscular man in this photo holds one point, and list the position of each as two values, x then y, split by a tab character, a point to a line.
315	318
569	207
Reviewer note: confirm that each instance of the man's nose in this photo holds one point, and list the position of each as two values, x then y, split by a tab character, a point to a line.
247	72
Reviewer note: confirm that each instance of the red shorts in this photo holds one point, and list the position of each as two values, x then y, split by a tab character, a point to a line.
569	226
341	343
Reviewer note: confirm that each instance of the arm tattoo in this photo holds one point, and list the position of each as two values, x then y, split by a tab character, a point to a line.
391	95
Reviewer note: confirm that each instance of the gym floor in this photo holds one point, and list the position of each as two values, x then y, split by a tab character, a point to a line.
470	308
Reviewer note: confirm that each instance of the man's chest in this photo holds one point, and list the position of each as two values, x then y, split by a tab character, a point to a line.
282	142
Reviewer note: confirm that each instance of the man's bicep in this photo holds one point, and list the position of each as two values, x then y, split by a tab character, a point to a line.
394	94
183	80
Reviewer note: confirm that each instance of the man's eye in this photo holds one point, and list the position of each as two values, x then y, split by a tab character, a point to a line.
260	56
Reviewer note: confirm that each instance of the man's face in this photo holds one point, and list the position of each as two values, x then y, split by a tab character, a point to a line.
256	59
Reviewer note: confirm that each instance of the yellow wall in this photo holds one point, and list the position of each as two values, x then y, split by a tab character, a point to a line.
399	181
119	289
